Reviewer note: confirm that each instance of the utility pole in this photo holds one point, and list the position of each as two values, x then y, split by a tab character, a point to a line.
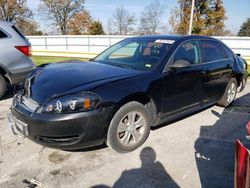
191	18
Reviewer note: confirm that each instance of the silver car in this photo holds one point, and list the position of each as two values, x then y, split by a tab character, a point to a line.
15	61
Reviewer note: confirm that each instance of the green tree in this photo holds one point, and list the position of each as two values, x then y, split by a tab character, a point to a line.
209	17
96	28
245	28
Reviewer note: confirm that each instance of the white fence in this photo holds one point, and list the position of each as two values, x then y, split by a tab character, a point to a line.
90	45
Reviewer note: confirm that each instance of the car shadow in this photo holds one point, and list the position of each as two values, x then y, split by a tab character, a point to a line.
93	148
151	174
214	148
180	118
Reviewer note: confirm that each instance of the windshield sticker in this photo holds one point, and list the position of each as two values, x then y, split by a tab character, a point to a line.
164	41
148	65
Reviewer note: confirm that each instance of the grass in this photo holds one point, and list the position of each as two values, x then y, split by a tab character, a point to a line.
39	60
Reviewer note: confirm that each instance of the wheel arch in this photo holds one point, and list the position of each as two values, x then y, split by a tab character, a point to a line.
144	99
238	77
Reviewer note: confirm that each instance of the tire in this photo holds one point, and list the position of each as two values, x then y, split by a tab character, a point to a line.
229	94
3	86
129	128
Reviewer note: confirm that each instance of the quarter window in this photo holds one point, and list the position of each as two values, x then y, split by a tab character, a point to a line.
189	51
211	51
2	35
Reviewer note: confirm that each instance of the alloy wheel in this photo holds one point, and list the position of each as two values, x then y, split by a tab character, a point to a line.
131	128
231	93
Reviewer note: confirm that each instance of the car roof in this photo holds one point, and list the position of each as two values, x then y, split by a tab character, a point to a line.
4	23
169	37
173	37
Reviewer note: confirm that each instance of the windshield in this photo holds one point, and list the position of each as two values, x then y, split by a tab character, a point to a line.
139	54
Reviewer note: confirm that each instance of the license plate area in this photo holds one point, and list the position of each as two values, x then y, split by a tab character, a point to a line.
18	127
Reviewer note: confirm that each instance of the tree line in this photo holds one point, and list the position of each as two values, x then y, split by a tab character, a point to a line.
71	17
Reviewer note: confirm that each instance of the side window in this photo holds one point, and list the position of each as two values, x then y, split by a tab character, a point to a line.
212	51
125	51
189	51
2	35
228	53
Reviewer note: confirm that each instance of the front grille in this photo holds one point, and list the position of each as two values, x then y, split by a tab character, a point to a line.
60	140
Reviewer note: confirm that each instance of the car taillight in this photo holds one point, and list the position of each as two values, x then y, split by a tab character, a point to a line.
26	50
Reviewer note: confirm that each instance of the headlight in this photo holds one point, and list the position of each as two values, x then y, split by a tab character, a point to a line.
79	102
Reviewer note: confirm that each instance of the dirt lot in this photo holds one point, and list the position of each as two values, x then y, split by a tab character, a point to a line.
197	151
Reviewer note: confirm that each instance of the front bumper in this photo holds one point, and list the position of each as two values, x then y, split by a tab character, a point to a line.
65	131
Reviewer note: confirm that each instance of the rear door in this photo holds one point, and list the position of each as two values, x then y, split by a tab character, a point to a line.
218	68
183	87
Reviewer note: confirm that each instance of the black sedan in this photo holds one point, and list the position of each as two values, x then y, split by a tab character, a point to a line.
115	98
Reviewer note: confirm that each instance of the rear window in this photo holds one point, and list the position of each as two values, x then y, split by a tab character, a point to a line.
212	51
2	35
18	32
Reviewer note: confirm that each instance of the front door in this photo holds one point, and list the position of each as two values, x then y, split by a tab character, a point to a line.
183	87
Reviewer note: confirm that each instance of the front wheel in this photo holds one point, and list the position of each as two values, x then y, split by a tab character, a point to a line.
229	94
129	128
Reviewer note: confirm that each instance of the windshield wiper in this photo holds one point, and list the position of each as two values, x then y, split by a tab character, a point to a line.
118	65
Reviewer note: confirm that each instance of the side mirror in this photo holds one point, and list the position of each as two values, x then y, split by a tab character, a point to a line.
238	55
181	63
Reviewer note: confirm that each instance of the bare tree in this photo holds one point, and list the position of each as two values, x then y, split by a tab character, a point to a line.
14	10
60	12
30	27
109	26
17	11
150	20
123	20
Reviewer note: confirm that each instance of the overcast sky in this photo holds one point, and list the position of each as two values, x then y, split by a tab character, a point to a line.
237	11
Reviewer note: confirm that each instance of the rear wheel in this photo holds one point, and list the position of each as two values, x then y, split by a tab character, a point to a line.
3	86
129	128
229	94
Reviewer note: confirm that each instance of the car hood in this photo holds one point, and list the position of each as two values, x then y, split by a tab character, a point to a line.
59	79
